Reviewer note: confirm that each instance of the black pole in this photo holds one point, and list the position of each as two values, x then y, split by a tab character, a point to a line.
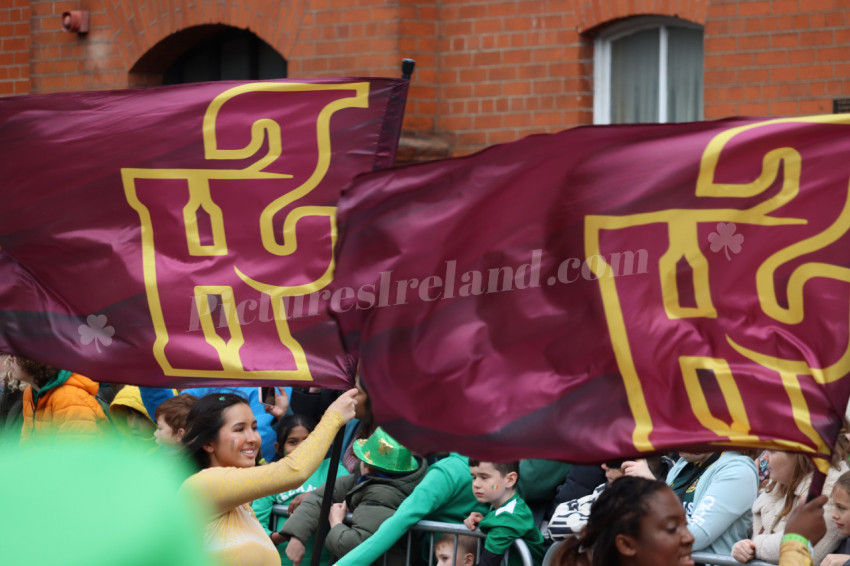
327	497
816	487
407	66
819	478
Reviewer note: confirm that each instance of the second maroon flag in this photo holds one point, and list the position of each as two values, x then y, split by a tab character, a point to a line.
184	235
607	291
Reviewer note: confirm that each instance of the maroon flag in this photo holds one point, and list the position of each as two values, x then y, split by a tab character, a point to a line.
607	291
184	235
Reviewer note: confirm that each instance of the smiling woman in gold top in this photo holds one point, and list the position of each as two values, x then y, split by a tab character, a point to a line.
222	440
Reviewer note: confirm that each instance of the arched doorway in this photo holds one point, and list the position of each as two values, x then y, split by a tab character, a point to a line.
208	53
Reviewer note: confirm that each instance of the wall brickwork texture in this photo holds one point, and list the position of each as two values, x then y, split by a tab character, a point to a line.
488	71
779	57
15	37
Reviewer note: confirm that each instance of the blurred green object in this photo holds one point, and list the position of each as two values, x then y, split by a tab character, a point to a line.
96	503
539	479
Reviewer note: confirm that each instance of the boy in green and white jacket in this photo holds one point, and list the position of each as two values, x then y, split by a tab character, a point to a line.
509	517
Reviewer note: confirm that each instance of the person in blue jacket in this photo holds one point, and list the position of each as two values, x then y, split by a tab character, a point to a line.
152	397
717	490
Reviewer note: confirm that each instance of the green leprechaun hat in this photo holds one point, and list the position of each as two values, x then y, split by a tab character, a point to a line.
383	453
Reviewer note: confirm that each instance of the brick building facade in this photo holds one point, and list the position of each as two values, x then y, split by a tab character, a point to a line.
488	71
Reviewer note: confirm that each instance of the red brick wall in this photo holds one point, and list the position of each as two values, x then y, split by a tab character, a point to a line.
508	69
779	57
592	13
14	47
488	71
67	61
346	37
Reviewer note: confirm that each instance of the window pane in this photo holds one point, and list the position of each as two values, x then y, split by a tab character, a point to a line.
684	75
634	78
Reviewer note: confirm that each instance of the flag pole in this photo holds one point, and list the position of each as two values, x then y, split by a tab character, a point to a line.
407	67
818	477
816	487
327	497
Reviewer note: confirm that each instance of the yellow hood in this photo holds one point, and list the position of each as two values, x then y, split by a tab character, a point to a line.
131	397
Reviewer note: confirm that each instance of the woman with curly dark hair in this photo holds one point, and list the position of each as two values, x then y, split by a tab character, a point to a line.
11	399
57	404
635	522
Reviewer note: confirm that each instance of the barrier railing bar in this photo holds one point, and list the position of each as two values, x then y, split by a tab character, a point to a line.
520	546
460	529
724	560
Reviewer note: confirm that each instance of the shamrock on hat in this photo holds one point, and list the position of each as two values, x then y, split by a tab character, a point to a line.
383	453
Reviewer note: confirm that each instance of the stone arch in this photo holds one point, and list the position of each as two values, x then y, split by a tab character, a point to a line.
593	13
140	26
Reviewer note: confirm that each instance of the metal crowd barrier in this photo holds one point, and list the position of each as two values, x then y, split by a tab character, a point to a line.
723	560
278	511
706	558
433	527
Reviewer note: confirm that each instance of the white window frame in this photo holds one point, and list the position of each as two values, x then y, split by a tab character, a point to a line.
602	61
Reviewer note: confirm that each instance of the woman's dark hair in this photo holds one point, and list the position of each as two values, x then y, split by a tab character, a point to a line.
41	373
618	511
203	423
286	425
367	420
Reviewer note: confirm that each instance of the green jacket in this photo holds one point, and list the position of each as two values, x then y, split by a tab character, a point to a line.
539	479
263	510
445	494
509	522
371	501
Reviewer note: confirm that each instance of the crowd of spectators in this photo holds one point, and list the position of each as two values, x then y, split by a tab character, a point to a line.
251	449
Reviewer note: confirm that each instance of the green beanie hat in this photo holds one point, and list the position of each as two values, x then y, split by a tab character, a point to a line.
383	453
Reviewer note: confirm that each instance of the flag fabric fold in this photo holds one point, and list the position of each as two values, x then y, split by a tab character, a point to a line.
607	291
179	236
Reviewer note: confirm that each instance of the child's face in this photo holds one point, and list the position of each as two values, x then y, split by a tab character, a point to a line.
164	434
781	466
445	555
295	437
841	511
139	425
490	486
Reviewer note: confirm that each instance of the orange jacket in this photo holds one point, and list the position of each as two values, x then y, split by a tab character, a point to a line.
66	409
